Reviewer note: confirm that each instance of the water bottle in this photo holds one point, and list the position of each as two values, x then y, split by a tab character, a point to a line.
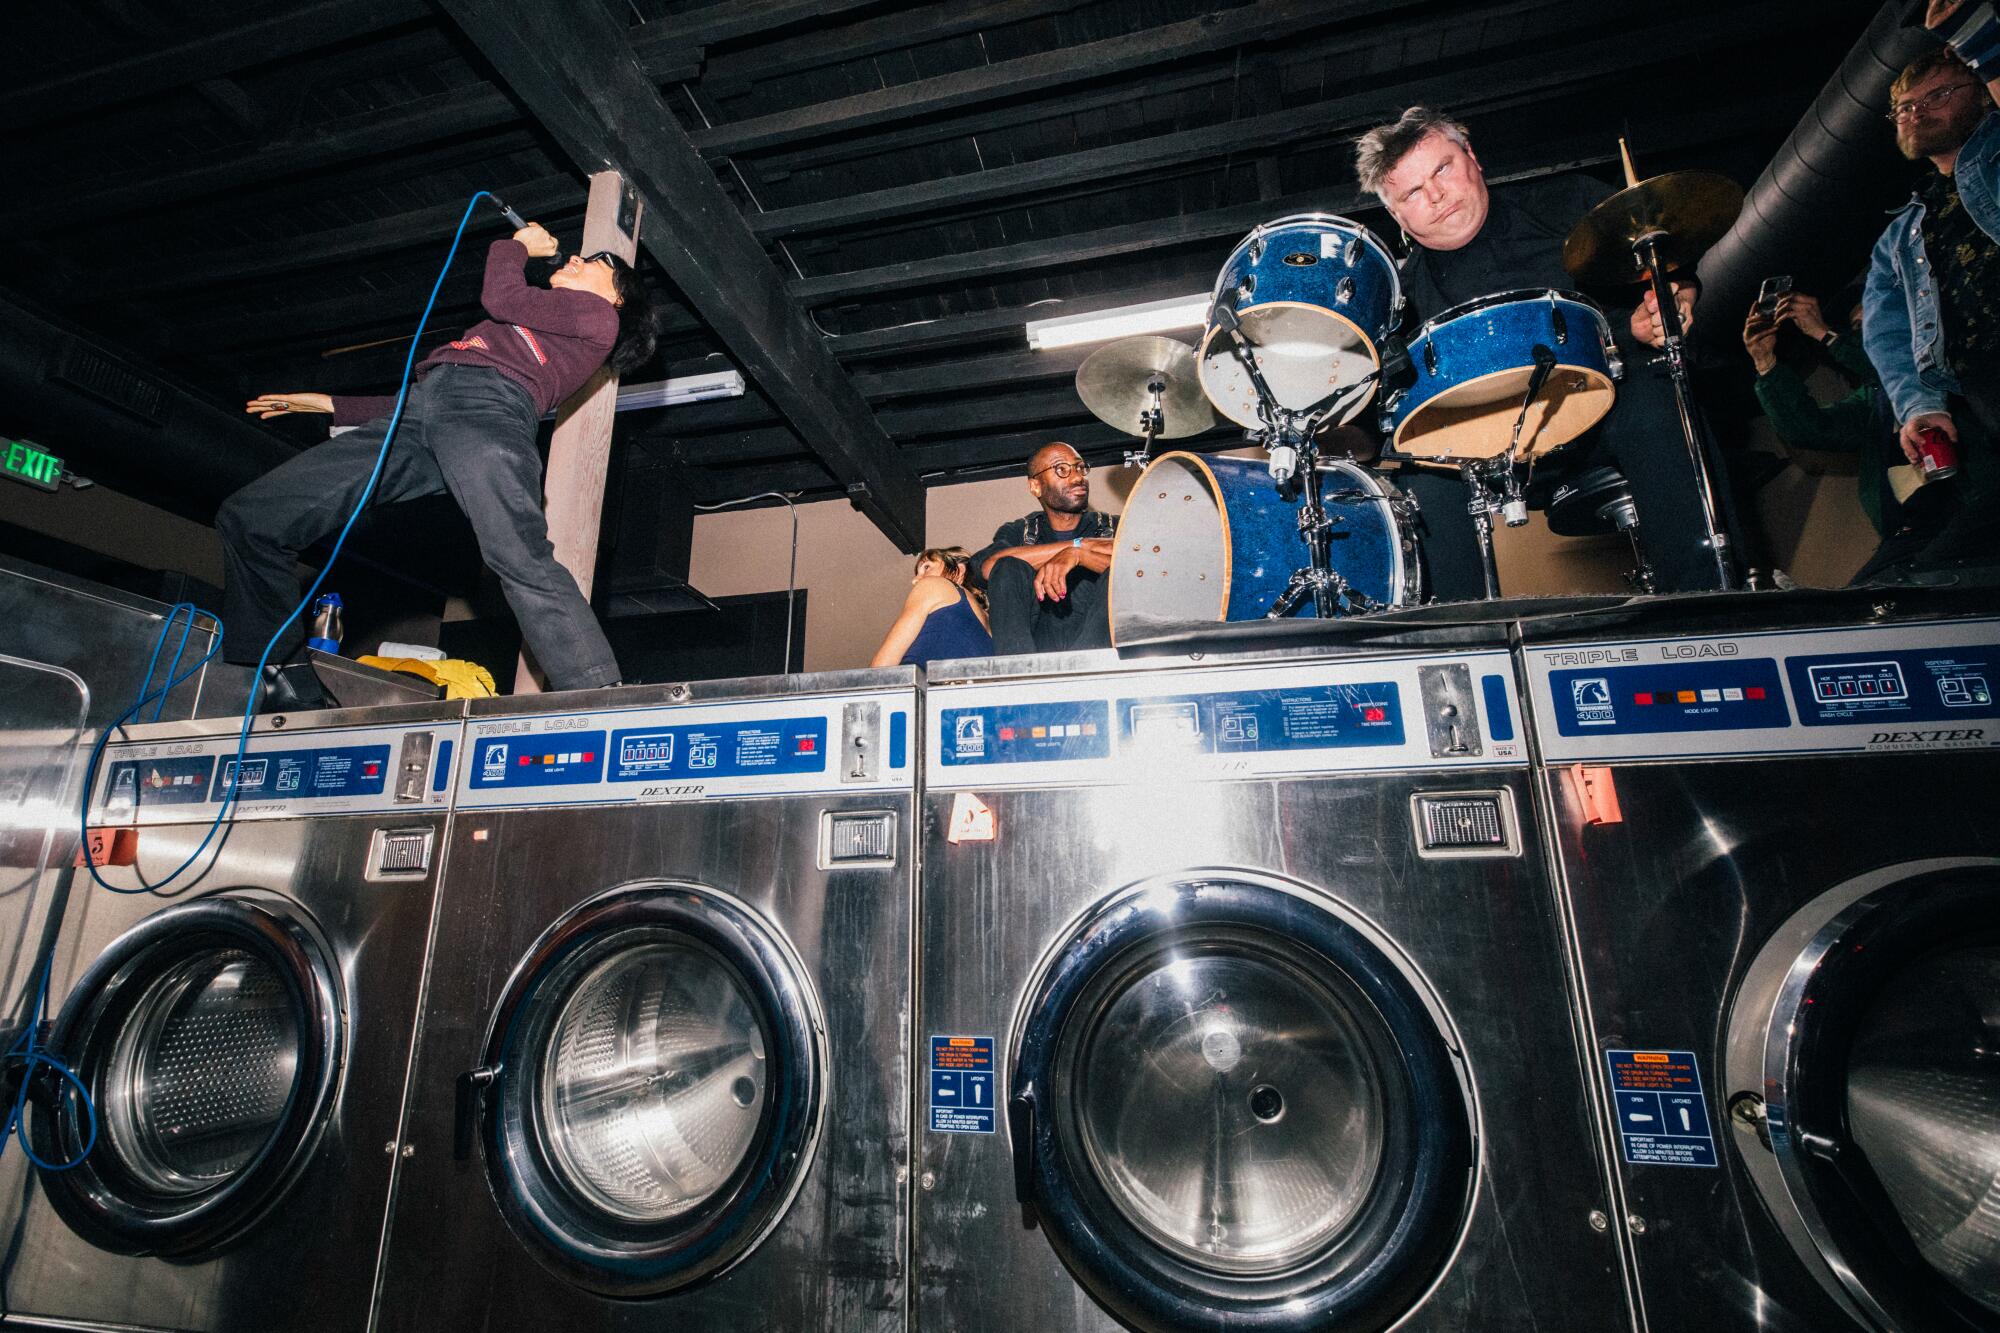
326	630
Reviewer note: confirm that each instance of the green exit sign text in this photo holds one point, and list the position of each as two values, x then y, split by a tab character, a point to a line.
31	463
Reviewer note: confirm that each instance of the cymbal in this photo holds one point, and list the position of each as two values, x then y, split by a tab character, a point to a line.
1115	384
1693	208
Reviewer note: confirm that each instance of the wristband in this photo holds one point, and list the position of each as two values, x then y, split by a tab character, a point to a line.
1077	542
1975	36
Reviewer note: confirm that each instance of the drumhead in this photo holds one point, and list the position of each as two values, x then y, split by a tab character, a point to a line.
1335	222
1521	294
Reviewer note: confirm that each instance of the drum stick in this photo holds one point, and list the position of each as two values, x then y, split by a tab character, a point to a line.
1625	155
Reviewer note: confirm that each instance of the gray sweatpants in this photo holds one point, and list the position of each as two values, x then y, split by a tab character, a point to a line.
467	430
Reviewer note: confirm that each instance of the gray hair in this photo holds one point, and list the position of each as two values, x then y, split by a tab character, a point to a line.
1377	152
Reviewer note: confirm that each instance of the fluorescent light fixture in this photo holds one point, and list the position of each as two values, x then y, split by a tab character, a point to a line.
686	389
1176	312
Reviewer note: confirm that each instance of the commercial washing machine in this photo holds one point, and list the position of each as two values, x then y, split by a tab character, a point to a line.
244	1032
663	1077
1243	1006
1780	855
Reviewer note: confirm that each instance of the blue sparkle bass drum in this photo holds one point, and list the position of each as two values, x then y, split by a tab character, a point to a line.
1316	295
1473	363
1212	539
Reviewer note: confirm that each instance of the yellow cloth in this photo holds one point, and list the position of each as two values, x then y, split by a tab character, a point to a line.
461	679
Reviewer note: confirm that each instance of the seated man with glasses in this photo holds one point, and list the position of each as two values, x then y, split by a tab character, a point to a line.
468	428
1931	310
1044	574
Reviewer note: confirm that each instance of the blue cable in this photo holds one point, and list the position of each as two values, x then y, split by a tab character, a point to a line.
28	1046
257	676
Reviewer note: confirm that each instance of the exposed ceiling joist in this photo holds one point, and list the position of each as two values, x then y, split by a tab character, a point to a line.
733	71
1029	74
732	21
296	30
1498	84
574	73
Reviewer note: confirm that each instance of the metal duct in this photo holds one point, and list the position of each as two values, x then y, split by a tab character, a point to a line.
117	421
1816	209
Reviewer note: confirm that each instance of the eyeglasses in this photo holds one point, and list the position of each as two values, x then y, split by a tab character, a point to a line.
1064	471
1933	100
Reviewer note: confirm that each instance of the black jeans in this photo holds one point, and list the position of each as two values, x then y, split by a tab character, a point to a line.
1642	439
1022	624
467	430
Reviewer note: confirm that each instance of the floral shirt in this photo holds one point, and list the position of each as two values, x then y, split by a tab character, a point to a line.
1966	264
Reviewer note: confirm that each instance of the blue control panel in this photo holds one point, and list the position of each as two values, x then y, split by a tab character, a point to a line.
1922	686
1253	721
558	760
1718	696
1231	720
1025	733
170	780
1874	687
277	775
726	750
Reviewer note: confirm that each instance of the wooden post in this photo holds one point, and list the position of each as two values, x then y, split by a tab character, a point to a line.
580	454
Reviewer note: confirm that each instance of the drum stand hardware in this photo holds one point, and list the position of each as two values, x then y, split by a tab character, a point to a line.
1646	254
1290	437
1149	425
1496	485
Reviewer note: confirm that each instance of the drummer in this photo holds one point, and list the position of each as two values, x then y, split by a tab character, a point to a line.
1467	242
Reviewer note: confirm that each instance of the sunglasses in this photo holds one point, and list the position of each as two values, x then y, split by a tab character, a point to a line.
606	258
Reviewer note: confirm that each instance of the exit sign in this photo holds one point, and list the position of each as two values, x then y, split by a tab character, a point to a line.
31	463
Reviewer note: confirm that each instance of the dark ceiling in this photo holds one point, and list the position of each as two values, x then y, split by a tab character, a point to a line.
235	192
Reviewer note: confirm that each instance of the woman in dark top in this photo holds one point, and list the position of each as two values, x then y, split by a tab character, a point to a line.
941	618
468	428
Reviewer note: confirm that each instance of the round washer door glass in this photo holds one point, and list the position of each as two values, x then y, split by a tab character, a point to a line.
1231	1105
210	1039
198	1078
656	1079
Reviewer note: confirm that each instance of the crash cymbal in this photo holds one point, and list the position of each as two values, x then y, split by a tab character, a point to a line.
1115	383
1692	208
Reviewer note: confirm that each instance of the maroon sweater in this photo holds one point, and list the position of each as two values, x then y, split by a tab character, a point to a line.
547	340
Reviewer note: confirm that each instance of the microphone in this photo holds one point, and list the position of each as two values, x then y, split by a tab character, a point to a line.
514	219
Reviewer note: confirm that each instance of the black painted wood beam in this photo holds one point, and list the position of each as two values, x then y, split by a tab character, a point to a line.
1032	74
1495	84
293	31
574	73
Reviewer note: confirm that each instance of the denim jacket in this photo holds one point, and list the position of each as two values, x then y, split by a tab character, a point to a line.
1901	322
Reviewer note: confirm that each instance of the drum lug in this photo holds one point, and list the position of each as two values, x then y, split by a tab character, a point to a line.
1561	324
1247	288
1256	249
1614	361
1405	506
1352	256
1344	292
1431	358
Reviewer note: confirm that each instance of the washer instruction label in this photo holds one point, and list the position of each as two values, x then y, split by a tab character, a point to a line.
1662	1112
962	1092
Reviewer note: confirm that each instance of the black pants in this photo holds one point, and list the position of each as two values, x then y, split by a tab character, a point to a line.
1642	439
1965	522
1022	624
465	429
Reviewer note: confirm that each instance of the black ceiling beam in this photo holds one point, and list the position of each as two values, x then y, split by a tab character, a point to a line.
1575	152
1495	84
965	414
731	21
1020	77
978	372
573	71
462	111
733	71
294	31
546	198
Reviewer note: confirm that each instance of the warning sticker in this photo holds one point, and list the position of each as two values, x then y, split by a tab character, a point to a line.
961	1075
1662	1112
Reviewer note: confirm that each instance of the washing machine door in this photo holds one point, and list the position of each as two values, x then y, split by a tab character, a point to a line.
1875	1018
210	1039
1234	1106
653	1089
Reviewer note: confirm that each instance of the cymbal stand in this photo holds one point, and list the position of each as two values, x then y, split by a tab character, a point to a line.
1289	436
1152	421
1646	253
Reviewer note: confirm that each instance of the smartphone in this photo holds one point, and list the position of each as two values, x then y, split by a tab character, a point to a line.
1773	290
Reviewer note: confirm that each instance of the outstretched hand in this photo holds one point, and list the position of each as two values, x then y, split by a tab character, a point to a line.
268	405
